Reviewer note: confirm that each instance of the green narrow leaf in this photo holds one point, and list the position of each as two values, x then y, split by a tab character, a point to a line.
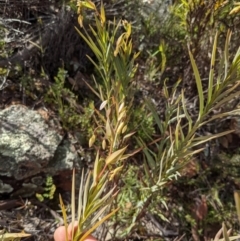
73	201
92	89
99	192
225	97
237	203
177	135
147	171
203	139
173	119
170	152
199	85
226	53
98	215
94	192
98	224
99	203
102	14
64	213
221	115
80	197
211	73
85	195
150	160
236	57
190	153
179	131
161	167
186	113
225	233
155	115
163	56
91	44
219	76
96	169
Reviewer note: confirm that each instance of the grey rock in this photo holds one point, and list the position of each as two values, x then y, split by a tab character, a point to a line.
65	158
26	142
5	188
31	148
26	190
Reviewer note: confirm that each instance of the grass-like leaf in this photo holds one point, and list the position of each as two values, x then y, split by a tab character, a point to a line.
64	213
73	201
211	73
4	236
199	85
226	53
85	193
97	225
80	196
237	203
225	233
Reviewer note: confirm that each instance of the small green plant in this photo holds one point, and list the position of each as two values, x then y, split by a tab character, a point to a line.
49	190
87	120
64	101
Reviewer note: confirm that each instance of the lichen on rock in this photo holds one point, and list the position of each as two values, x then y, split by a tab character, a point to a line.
27	143
32	148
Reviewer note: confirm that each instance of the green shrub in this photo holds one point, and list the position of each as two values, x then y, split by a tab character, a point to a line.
165	155
64	101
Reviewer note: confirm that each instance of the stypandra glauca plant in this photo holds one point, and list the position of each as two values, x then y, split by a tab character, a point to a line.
115	67
179	131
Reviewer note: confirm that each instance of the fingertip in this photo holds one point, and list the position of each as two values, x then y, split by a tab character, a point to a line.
59	234
90	238
72	227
